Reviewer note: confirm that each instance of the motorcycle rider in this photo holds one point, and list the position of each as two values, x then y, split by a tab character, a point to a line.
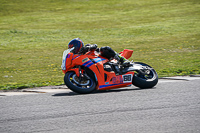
106	51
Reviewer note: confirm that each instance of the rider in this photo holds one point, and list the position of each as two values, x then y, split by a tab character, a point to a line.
106	51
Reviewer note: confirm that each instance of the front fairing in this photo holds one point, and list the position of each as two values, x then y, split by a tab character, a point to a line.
64	58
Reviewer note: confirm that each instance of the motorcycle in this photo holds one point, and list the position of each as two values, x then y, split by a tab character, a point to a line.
91	71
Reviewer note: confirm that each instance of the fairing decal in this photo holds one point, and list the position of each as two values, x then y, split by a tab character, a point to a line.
88	63
68	56
98	59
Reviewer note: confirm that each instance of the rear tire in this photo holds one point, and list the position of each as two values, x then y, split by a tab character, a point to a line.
71	81
145	81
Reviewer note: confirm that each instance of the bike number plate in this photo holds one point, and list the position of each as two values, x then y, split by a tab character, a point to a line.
127	78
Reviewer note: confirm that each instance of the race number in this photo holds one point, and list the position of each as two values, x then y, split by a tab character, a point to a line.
127	78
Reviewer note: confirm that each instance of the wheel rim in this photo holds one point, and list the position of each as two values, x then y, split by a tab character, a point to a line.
84	84
150	73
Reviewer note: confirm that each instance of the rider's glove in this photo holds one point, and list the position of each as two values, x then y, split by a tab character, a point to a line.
83	50
93	47
87	47
98	49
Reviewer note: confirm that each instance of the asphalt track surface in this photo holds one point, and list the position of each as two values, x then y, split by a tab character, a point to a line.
173	106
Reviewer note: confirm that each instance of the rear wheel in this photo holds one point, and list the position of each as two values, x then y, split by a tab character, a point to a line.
145	78
82	85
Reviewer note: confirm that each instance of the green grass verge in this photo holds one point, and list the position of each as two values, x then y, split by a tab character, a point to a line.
33	35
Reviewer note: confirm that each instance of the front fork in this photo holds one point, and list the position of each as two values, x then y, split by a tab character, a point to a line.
81	74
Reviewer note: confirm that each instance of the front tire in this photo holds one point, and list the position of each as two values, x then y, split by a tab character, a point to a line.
84	87
144	81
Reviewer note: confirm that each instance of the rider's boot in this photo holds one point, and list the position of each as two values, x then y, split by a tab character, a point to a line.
124	62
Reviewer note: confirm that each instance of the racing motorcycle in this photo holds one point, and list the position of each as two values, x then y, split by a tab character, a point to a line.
91	71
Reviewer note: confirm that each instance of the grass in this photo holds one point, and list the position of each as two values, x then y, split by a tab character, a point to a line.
34	33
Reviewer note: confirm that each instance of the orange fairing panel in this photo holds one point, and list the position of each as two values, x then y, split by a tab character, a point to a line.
68	60
117	81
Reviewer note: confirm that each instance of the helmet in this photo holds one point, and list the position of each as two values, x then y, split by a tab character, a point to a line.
77	43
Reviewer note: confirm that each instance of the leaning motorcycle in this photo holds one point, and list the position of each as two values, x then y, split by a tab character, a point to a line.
89	72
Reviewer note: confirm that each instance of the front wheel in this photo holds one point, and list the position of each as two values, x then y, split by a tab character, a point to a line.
82	86
145	78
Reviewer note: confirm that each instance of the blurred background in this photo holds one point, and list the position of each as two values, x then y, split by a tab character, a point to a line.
34	34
